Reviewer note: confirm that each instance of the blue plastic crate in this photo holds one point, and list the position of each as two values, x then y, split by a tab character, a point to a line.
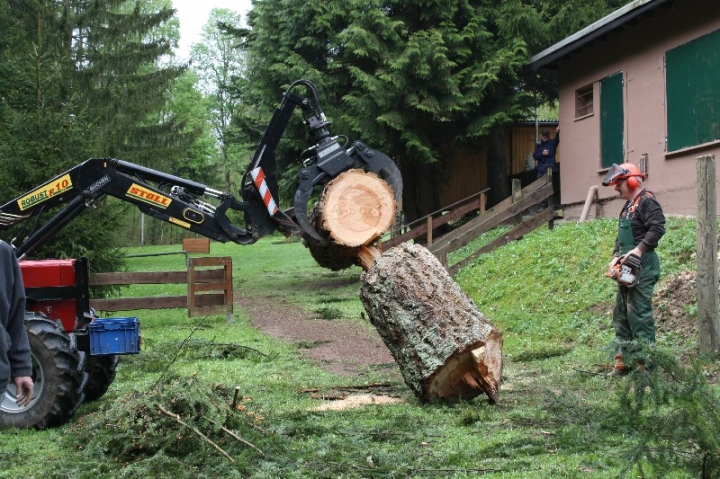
115	336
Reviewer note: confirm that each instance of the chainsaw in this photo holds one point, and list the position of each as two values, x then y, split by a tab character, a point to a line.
626	271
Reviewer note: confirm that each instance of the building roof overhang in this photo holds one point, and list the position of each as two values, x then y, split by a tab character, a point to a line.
549	57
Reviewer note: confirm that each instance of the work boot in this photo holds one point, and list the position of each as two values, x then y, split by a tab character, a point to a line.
619	369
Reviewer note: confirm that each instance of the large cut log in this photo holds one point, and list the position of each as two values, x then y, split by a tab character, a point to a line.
353	211
445	347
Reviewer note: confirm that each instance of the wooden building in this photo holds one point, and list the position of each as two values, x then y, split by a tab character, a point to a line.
640	86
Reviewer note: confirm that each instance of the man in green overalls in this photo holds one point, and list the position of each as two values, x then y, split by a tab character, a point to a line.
640	227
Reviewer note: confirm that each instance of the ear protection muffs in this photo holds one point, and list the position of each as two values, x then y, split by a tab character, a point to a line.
632	182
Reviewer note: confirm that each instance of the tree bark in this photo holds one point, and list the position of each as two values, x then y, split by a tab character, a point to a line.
445	347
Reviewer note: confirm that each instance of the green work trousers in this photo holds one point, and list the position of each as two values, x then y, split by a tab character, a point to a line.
633	313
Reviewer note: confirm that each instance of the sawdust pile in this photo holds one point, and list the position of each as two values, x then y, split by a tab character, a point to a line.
357	400
340	398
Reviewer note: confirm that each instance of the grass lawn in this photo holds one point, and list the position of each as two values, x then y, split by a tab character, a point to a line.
557	416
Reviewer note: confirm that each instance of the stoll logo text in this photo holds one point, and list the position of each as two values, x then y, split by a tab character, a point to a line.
147	196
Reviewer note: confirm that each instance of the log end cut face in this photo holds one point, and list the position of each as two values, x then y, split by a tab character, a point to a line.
470	373
358	207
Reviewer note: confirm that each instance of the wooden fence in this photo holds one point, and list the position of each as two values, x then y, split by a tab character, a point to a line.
209	291
425	225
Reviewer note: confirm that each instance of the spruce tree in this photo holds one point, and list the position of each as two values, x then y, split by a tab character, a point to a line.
417	80
83	80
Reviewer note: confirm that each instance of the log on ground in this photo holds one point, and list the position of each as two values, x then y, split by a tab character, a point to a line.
445	347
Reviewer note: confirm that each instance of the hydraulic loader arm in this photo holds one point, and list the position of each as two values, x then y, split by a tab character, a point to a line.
195	206
163	196
323	161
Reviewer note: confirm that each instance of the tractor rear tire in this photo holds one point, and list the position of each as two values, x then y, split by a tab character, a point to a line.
59	376
102	373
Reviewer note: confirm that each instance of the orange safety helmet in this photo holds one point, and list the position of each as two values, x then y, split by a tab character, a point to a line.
621	172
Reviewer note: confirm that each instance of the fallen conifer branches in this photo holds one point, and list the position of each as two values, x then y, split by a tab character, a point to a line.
181	416
176	418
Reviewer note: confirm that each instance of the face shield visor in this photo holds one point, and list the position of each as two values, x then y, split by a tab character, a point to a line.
615	173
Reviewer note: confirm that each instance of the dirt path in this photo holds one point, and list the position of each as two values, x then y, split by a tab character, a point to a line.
345	347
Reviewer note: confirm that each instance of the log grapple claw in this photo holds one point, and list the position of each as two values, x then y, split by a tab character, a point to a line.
332	160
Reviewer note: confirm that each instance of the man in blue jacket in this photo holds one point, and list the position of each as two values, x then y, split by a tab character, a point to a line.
544	155
15	362
545	151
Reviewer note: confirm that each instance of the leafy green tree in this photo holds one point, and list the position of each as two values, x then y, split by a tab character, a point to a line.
218	61
414	79
197	162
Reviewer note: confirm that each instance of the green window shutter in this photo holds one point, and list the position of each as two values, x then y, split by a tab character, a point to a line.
692	71
612	121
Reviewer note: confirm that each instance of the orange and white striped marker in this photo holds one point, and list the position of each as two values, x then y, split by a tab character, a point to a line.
258	176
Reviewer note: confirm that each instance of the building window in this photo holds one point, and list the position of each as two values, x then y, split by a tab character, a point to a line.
693	92
584	101
612	121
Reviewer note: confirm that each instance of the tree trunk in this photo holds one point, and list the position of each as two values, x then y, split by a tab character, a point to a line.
421	188
497	172
445	347
354	210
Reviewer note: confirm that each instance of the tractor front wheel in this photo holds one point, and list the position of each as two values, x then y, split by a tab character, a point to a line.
58	373
102	371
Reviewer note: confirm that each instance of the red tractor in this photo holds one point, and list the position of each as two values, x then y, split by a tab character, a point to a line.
64	372
59	320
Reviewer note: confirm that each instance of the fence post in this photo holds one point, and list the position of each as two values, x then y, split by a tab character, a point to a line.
429	222
707	275
551	199
223	288
442	256
516	197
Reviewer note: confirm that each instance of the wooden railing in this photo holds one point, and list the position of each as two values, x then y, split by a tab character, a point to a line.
209	291
509	209
425	225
